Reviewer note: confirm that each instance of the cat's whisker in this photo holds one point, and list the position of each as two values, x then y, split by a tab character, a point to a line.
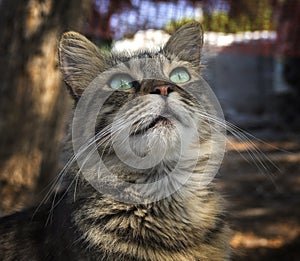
245	133
72	160
103	135
55	184
55	204
137	127
257	155
75	189
93	140
121	124
99	141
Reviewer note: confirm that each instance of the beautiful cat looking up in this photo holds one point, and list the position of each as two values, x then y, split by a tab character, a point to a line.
145	144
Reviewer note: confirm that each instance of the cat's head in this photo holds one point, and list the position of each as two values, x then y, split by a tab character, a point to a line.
147	113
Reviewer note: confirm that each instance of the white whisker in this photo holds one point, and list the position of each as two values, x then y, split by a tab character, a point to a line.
241	135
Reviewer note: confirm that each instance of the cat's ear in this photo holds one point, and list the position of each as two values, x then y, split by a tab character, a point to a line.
80	62
186	43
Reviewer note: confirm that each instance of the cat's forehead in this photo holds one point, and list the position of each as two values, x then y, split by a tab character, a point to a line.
126	56
149	64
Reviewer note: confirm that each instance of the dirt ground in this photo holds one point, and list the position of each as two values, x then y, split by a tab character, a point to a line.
263	203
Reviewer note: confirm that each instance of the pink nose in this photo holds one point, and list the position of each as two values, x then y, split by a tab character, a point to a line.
162	90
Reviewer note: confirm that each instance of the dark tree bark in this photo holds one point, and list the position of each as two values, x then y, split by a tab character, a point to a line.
32	102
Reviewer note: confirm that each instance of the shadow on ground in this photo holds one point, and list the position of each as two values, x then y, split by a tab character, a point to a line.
263	200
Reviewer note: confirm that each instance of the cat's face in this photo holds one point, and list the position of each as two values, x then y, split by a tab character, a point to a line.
145	109
154	109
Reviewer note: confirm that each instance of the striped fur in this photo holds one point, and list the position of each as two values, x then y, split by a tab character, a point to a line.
85	224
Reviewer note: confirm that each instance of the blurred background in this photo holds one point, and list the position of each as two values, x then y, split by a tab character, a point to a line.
251	55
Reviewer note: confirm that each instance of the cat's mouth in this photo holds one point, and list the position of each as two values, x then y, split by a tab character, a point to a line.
159	121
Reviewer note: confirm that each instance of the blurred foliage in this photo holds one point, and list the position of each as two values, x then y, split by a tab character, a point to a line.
104	47
172	26
229	16
242	16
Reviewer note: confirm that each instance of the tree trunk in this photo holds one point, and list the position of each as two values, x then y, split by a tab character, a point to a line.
33	104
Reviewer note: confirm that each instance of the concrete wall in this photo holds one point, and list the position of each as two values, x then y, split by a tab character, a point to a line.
243	83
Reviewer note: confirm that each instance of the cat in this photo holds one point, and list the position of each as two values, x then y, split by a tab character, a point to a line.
146	145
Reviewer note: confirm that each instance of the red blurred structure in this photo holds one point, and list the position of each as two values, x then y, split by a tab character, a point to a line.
288	28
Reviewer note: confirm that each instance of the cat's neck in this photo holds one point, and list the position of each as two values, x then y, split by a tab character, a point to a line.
170	223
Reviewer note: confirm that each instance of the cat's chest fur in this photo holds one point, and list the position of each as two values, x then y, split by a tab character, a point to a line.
98	229
173	229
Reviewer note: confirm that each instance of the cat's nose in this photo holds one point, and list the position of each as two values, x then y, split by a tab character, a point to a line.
164	90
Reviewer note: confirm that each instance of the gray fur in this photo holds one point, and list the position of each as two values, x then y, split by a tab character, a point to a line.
188	225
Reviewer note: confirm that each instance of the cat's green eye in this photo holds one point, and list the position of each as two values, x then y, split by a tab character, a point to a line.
121	82
179	75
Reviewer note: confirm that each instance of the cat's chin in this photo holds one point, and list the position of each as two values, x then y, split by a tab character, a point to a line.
162	138
160	123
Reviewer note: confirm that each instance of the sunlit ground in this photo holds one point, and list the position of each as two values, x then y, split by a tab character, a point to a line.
263	199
